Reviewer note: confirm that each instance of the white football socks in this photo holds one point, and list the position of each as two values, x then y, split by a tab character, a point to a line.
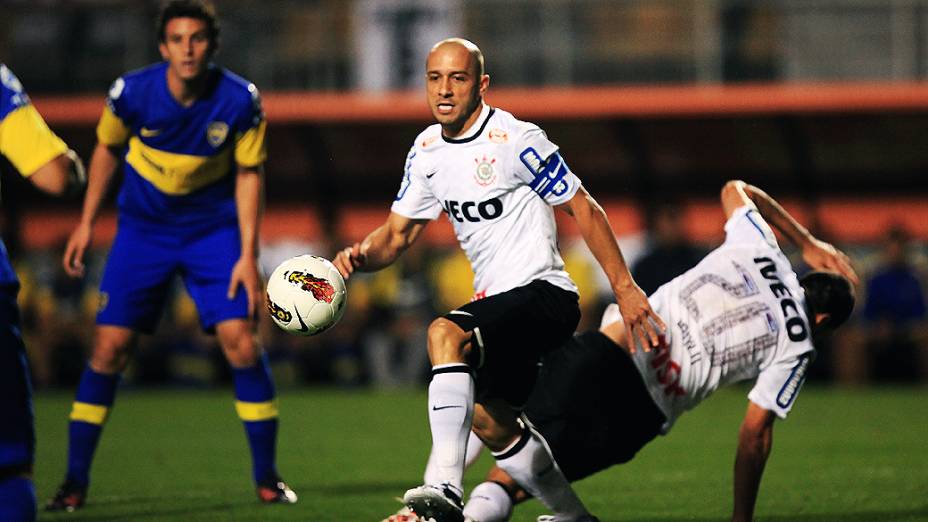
451	411
529	462
488	502
474	448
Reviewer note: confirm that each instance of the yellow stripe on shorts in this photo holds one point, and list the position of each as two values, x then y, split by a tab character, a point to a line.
86	412
256	411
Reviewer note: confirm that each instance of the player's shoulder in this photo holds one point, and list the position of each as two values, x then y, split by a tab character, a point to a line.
138	83
145	76
8	81
427	141
235	86
745	226
515	127
12	94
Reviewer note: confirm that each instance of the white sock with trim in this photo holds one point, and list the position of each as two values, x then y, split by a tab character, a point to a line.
488	502
529	462
451	411
474	449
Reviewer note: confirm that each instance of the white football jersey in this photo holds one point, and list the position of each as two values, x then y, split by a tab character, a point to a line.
497	183
739	314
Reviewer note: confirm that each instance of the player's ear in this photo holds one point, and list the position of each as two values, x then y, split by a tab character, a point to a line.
484	84
163	49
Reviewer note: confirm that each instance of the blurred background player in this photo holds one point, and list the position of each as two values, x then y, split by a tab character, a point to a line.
888	342
497	179
741	313
189	204
668	252
39	155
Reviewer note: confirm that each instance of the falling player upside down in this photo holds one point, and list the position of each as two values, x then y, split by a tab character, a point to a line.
740	314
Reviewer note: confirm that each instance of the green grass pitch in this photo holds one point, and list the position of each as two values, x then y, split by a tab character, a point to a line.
850	456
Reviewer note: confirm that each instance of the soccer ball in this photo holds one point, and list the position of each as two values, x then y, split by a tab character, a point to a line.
306	295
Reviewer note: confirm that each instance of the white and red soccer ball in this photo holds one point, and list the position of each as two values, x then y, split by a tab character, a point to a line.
306	295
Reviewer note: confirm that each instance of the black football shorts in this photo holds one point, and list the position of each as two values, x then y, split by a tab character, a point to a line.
591	405
510	332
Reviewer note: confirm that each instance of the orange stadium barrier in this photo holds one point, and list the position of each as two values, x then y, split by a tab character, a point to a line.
838	219
841	218
563	103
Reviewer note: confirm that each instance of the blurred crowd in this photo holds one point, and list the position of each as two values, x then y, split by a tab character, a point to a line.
381	340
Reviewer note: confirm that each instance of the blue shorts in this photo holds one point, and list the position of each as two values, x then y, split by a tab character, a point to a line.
17	433
141	266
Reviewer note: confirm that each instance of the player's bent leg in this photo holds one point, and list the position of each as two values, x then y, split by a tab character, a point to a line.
256	405
496	424
111	348
448	343
451	407
529	462
238	342
93	401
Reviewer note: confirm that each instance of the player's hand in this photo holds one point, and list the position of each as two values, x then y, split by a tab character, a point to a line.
245	273
824	256
641	322
73	260
349	259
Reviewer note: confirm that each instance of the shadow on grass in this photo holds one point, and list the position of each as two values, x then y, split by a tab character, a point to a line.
920	513
150	508
359	488
156	508
863	516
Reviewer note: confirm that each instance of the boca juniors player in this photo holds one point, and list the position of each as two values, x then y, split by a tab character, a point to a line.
39	155
193	138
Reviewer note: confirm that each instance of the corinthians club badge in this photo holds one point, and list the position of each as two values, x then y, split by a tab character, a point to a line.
485	173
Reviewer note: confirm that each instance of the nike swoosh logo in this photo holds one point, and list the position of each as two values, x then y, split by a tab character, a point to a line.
429	176
149	133
303	327
436	408
460	312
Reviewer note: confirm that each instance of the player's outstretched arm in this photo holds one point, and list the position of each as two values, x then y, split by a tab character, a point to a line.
817	253
381	247
754	442
643	323
249	205
103	165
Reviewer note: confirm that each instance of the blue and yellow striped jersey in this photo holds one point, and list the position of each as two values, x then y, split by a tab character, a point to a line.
180	160
25	140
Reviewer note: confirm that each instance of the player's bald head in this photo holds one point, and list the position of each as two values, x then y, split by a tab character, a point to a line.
460	45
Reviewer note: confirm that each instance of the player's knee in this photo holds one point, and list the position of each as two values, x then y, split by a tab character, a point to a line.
241	351
495	437
516	493
497	432
110	354
447	342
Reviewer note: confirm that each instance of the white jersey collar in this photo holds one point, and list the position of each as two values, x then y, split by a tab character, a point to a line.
476	129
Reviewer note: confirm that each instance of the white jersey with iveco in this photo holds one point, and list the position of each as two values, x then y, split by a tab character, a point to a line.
497	183
739	314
